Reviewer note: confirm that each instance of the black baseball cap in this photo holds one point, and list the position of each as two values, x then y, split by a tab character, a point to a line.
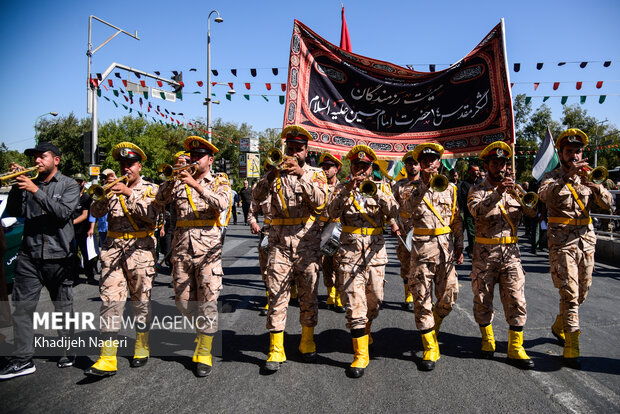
43	147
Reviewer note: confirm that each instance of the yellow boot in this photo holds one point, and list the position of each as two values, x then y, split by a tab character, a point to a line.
488	341
202	355
571	350
141	350
265	310
408	298
431	350
339	307
361	357
516	353
106	364
438	320
307	347
276	351
331	297
557	329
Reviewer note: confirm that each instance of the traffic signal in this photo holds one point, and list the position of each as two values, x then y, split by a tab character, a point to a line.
178	90
87	142
100	155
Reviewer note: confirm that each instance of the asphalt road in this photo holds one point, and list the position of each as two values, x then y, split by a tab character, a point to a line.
462	382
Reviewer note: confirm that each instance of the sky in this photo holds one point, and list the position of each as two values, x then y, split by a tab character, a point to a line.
43	46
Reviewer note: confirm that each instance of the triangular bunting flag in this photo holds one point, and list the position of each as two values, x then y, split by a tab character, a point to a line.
231	85
512	84
228	96
247	86
545	98
234	72
556	85
281	97
125	106
431	68
517	67
582	99
193	69
137	75
110	84
214	72
253	72
539	66
200	83
247	97
146	95
99	92
115	104
564	99
599	84
118	75
160	83
143	83
268	86
265	98
274	71
583	64
157	73
283	87
601	99
561	63
607	63
579	85
536	85
115	93
125	82
528	99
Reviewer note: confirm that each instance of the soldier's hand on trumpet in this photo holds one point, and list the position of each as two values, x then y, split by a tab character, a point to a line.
577	167
186	178
355	181
121	188
23	182
292	167
506	183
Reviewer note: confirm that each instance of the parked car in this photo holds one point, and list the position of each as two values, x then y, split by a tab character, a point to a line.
13	230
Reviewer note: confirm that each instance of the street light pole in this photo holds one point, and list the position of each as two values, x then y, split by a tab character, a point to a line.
218	19
36	132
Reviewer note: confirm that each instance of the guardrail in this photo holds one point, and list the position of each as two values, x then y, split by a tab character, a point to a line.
607	217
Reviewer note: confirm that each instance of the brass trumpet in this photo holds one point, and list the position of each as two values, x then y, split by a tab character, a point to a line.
526	199
8	179
439	183
168	172
596	175
368	188
276	158
98	192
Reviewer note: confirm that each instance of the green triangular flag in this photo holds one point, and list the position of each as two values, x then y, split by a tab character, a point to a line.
140	113
228	97
154	120
115	104
179	95
602	99
564	99
146	95
125	106
247	97
545	98
115	93
528	99
281	99
196	92
99	93
130	94
163	95
265	98
583	99
130	110
106	98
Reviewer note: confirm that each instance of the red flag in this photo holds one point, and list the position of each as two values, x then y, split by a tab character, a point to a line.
125	82
268	86
536	85
160	83
143	83
345	40
110	83
231	85
247	86
556	85
599	84
579	85
283	86
199	83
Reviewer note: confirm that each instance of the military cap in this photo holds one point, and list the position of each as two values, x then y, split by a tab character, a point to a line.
497	149
128	151
572	136
427	148
200	145
296	133
362	153
327	158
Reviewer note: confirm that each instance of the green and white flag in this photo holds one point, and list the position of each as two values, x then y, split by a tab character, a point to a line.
546	157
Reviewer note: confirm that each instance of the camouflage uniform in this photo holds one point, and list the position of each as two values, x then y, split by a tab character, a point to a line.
571	246
402	190
253	218
327	262
432	255
197	245
294	239
361	259
496	261
128	255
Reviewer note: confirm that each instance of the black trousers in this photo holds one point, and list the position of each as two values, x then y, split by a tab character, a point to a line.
80	240
31	275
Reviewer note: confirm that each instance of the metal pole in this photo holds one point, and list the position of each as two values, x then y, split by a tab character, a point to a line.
209	78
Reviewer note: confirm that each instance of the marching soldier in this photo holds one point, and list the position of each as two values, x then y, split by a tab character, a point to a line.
361	259
331	165
569	196
402	190
264	232
496	258
200	199
436	220
298	192
127	258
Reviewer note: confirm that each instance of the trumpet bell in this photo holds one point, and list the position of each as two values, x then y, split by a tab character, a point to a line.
96	192
275	157
439	183
165	171
530	199
598	175
368	188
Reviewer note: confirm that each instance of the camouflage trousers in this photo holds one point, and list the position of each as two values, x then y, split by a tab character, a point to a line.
118	272
361	289
422	277
262	262
329	274
284	266
197	284
511	278
404	256
571	271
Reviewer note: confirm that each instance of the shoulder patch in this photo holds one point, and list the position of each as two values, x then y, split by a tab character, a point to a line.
150	192
319	177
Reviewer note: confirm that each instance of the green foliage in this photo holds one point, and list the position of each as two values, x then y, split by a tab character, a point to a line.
8	156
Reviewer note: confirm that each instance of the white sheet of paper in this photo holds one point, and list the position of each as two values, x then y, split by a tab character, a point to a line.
92	248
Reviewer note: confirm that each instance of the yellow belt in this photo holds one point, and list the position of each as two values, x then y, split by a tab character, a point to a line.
432	232
326	219
196	223
291	221
405	215
365	231
267	221
130	235
497	240
571	221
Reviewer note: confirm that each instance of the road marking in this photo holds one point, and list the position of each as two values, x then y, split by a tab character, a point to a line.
565	397
470	316
598	388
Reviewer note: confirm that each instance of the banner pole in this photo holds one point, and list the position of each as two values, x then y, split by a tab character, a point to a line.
512	126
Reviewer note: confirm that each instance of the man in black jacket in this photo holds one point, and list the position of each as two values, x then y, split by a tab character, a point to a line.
468	219
44	258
